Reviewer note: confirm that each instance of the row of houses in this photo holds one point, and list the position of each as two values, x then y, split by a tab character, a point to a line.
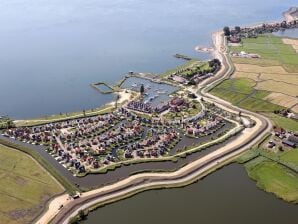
252	32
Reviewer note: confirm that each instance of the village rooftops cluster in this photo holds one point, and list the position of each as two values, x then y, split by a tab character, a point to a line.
206	127
195	74
86	144
235	35
175	105
288	138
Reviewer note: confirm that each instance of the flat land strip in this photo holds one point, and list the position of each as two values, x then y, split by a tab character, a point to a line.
25	187
274	178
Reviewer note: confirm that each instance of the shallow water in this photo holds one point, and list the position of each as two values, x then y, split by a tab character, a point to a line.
51	50
226	196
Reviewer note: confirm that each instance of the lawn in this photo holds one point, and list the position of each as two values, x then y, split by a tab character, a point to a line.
24	185
274	178
192	64
290	157
286	123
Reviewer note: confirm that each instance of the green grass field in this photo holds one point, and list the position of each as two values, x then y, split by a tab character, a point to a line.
240	92
274	178
290	158
24	185
192	64
286	123
272	51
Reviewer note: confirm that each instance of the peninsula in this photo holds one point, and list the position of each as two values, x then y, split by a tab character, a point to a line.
170	129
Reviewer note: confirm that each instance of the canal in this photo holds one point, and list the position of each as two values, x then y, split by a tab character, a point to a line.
226	196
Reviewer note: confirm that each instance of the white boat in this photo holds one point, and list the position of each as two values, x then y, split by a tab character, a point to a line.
134	85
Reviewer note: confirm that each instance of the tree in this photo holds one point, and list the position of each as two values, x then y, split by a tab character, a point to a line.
238	29
227	31
142	89
73	220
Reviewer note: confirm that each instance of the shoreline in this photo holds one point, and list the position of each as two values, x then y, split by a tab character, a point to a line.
191	165
221	52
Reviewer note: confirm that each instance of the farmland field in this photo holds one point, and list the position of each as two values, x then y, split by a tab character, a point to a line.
265	84
240	92
25	187
272	49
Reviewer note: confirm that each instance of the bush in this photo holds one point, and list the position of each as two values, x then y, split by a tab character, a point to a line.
74	220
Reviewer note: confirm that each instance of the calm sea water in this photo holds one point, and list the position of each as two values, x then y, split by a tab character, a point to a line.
225	197
51	50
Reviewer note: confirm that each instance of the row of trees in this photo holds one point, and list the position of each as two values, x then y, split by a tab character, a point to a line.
227	30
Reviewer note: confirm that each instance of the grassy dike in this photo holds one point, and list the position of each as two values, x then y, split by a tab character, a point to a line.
64	116
78	218
70	188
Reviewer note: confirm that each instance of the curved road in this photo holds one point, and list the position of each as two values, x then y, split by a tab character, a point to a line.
188	173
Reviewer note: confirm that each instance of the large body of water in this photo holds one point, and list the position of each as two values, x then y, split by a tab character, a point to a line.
226	196
51	50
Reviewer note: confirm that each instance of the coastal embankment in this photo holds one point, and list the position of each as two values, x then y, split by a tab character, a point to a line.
184	176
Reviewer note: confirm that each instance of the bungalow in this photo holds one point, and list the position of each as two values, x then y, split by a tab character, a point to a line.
235	39
293	138
279	131
289	143
179	79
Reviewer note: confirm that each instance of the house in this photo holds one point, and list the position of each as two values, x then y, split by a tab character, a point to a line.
289	143
279	131
179	79
235	39
293	138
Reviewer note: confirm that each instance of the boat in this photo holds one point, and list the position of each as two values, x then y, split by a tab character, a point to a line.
134	85
151	98
162	92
